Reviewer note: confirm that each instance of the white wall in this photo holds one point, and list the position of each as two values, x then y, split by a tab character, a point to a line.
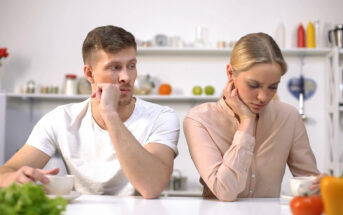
44	39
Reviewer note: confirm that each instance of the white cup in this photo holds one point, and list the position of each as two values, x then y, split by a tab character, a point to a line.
300	185
59	184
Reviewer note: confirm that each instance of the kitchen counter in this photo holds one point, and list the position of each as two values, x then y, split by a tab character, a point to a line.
103	205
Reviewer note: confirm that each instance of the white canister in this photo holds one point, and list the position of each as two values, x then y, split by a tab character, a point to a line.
70	84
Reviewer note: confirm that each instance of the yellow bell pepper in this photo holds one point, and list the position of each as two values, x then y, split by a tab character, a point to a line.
331	189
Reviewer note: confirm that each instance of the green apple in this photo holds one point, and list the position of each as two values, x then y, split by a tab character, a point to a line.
209	90
197	90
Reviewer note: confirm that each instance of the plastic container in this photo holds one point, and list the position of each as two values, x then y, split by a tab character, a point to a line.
310	36
301	43
70	84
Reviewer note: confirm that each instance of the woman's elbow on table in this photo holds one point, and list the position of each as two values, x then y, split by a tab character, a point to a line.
227	198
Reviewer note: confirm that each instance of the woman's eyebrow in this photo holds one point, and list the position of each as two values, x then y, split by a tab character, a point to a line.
257	82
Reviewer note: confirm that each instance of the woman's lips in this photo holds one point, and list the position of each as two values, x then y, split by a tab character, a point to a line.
257	106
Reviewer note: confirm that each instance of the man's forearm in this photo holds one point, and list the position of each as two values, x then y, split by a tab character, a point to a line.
5	173
147	173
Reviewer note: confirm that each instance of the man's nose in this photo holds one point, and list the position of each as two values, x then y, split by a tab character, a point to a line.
124	76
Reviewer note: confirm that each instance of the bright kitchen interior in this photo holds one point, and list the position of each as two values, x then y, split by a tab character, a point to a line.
181	43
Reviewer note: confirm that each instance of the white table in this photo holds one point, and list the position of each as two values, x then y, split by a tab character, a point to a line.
103	205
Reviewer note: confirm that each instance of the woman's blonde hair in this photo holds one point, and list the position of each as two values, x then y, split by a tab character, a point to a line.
256	48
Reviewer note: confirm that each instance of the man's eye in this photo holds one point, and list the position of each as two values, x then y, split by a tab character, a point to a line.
115	68
132	66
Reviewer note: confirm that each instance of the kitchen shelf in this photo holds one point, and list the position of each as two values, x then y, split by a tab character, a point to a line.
228	51
155	98
192	51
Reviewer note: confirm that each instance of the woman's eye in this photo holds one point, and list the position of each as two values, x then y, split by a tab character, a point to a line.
273	87
253	86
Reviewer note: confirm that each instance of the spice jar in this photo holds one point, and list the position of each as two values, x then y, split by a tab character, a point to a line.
70	85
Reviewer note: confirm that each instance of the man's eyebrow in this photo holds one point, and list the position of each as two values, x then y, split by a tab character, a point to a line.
119	62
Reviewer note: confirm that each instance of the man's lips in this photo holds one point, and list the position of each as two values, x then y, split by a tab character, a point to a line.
125	90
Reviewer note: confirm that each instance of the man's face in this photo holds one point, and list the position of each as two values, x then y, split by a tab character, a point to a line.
117	68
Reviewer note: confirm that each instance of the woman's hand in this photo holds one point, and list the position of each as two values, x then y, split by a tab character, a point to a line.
235	103
316	183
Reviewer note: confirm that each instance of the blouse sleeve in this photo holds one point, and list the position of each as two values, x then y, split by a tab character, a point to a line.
301	160
225	175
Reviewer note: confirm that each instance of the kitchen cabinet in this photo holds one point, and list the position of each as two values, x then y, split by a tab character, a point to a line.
183	68
334	101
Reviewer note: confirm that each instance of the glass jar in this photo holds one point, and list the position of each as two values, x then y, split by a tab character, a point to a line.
70	85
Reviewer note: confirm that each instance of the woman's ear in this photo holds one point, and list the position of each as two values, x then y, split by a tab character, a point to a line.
229	71
87	70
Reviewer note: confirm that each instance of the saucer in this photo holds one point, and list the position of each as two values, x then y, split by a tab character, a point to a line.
284	198
71	196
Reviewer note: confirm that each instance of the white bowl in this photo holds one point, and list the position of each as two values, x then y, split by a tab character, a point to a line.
59	184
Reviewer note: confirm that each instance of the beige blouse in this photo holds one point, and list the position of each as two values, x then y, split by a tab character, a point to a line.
235	164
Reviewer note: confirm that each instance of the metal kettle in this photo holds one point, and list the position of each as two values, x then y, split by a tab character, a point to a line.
337	33
143	85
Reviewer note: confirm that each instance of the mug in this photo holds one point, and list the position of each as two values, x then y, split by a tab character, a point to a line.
337	33
300	185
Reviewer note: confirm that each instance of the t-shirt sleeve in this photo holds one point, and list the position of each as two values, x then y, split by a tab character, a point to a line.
42	136
166	129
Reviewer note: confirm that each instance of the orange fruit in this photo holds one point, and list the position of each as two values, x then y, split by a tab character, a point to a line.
165	89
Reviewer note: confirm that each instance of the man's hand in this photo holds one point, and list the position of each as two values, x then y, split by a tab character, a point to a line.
107	96
28	174
235	103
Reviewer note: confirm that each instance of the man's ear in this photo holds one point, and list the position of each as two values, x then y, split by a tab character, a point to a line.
229	71
88	71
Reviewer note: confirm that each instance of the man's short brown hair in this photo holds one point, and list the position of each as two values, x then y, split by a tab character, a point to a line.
109	38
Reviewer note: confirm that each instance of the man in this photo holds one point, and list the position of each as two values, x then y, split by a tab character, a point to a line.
113	143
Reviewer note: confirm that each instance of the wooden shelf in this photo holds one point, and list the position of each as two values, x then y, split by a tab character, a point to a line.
228	51
175	98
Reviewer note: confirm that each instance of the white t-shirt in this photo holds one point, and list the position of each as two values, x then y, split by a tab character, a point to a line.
87	150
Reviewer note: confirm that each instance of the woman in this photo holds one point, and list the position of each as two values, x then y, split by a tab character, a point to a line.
242	143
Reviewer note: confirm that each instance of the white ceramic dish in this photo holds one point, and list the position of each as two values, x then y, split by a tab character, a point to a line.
285	199
71	196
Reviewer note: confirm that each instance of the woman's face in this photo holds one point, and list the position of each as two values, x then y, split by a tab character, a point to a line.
258	85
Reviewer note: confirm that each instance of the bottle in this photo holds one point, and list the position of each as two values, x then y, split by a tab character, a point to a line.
301	37
317	35
311	37
280	35
70	85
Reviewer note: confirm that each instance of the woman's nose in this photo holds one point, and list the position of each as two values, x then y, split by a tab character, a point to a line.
262	96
